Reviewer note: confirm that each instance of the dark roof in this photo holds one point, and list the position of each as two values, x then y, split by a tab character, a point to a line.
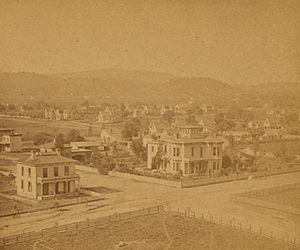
47	159
49	145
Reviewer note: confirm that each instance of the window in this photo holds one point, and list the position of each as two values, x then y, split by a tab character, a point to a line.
201	151
22	184
22	171
173	166
174	151
165	148
214	151
45	172
152	149
186	168
178	152
29	172
214	165
192	151
177	167
29	187
192	167
55	171
66	170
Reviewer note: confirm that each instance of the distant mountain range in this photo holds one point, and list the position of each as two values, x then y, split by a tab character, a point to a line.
120	85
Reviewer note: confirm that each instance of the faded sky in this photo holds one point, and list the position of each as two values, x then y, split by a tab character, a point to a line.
234	41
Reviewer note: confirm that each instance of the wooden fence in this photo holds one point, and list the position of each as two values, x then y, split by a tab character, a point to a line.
54	206
243	176
267	191
74	228
233	224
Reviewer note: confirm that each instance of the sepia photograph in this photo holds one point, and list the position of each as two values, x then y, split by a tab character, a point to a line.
149	124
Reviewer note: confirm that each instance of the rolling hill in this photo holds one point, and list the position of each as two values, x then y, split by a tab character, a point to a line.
120	85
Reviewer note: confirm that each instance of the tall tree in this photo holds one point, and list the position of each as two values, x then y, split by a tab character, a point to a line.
73	135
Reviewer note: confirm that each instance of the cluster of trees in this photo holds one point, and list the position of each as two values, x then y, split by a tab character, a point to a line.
8	107
103	163
60	139
139	149
168	116
237	113
222	123
131	128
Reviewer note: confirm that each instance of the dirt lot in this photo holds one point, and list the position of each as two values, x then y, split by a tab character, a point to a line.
162	231
288	198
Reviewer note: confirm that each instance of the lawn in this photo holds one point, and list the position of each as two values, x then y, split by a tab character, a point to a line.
160	231
288	198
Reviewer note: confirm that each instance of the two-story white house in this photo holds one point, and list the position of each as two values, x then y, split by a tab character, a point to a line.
47	175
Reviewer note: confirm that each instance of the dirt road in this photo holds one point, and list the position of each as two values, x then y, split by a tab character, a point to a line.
212	199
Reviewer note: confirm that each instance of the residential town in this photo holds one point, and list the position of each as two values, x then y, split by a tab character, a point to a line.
149	125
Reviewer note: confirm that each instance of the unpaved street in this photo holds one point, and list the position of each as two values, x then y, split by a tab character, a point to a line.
212	199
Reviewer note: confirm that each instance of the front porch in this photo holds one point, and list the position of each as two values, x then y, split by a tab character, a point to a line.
55	189
195	168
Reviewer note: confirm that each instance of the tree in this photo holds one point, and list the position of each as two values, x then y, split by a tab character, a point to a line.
11	107
131	129
74	136
168	116
85	104
226	162
247	116
156	160
59	142
103	164
2	107
42	137
292	117
138	149
219	117
225	125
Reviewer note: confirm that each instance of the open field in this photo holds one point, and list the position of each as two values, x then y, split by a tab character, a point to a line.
288	198
159	231
30	127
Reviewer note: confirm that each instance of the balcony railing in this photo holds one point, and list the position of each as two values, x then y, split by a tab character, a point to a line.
58	178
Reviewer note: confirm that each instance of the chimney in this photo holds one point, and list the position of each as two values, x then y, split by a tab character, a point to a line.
32	154
57	151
